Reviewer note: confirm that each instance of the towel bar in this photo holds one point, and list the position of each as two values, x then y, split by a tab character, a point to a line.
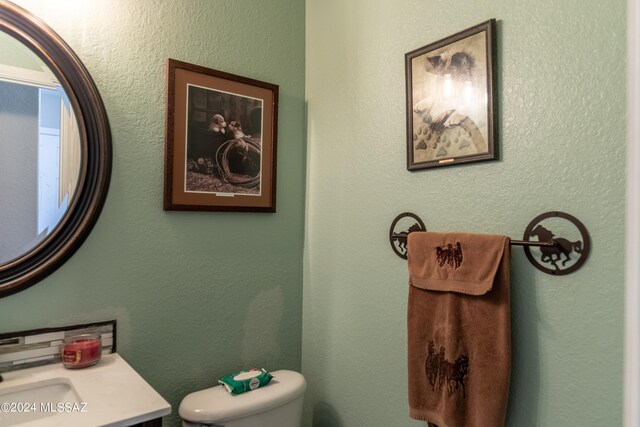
554	252
552	243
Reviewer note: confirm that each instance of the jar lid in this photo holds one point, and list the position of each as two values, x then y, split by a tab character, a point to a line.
82	337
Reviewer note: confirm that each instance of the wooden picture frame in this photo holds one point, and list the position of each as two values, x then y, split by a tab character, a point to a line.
220	142
450	100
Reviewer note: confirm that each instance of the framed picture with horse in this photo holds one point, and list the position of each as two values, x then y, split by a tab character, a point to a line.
450	102
220	141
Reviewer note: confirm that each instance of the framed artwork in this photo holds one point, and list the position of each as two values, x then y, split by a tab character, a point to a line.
450	102
220	142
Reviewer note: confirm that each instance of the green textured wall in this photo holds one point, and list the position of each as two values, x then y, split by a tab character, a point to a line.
196	294
200	294
561	97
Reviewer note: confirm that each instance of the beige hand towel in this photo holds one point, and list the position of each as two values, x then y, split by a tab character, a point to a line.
459	331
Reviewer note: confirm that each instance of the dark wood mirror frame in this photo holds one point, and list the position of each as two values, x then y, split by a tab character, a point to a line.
95	136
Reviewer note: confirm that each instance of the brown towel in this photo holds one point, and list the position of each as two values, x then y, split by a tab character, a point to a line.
459	330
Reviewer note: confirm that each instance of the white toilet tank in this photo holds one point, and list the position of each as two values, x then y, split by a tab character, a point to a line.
278	404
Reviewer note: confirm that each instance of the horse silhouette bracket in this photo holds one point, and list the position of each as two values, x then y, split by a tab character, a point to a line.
563	254
401	226
551	253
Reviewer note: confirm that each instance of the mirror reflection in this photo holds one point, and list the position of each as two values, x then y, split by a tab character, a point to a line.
40	150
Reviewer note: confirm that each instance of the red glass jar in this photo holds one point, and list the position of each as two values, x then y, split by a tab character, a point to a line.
81	351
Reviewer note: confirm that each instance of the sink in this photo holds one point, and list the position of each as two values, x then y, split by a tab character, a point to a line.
109	394
32	401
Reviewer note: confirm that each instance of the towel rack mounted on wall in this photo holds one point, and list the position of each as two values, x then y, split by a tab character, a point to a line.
553	256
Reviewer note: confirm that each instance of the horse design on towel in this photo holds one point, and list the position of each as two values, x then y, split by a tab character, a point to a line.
441	372
553	254
450	255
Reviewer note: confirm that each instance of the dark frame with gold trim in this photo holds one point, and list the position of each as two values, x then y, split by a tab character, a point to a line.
220	142
450	100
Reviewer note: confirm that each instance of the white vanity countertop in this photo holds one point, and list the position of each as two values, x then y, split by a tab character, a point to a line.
110	393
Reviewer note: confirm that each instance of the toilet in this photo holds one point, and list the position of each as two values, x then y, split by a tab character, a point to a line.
277	404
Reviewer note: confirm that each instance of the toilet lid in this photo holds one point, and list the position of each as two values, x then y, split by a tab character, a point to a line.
217	405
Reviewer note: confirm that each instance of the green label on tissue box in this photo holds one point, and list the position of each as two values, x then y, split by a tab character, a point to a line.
245	380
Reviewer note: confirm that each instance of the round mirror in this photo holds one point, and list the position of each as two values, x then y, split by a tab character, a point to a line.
55	150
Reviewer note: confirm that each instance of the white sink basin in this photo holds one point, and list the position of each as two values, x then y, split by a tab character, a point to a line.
32	401
51	390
